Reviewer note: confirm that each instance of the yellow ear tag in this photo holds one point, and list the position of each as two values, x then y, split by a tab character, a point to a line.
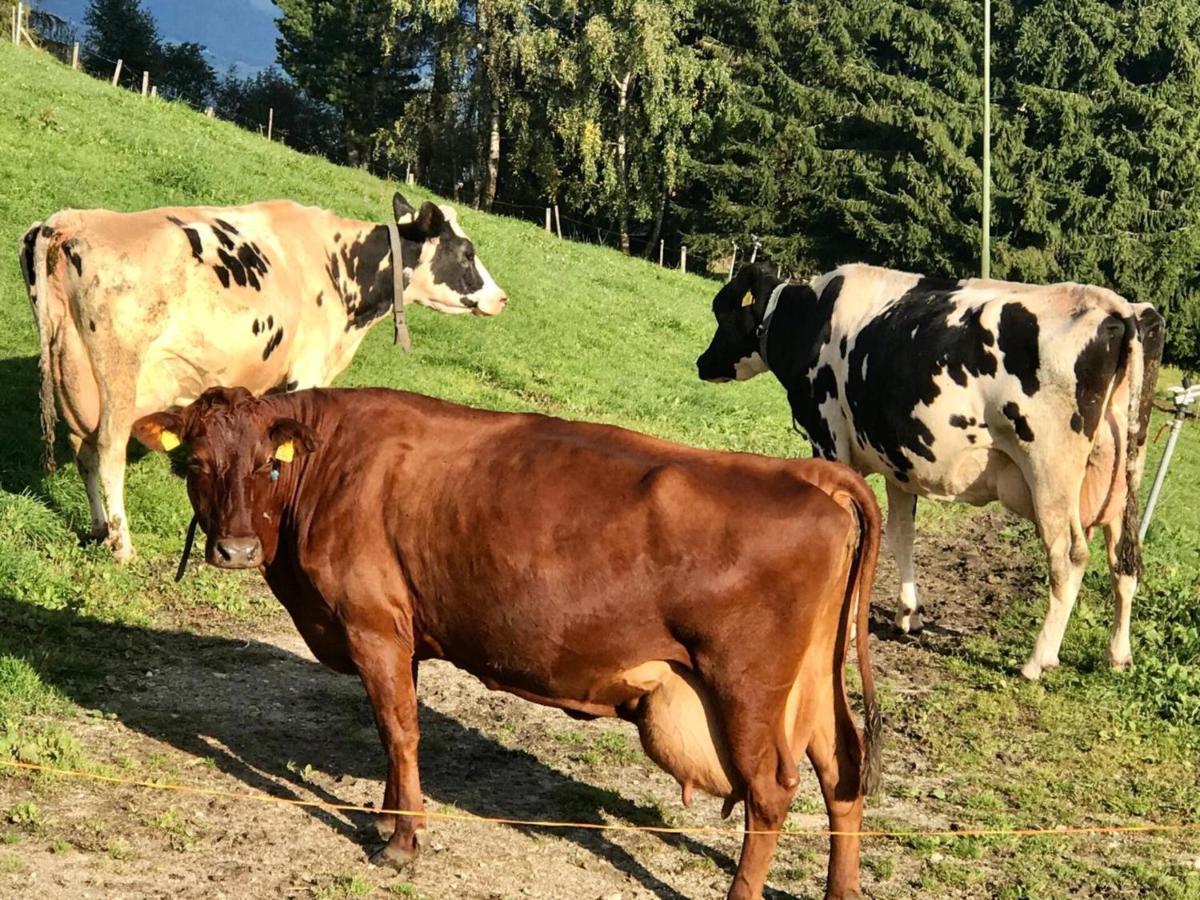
285	452
168	439
748	300
406	219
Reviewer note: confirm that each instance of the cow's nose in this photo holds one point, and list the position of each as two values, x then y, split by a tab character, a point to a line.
503	299
237	553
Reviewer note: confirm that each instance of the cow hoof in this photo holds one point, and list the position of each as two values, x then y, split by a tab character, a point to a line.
385	826
122	553
909	622
98	534
1033	670
1120	664
397	858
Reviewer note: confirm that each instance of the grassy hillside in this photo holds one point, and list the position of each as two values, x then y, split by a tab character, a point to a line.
591	335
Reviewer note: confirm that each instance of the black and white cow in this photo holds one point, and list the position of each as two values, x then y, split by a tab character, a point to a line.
145	310
974	390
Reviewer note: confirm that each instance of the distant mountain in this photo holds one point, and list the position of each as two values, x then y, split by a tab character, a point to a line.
238	33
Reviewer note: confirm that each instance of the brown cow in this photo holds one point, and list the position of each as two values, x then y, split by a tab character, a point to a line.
706	597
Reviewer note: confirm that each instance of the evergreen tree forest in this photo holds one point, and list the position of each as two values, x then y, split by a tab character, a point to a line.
828	130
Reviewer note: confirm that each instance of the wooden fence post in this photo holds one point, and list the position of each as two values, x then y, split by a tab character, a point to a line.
548	220
210	112
270	122
75	56
17	25
733	261
117	73
661	245
557	222
154	92
145	84
683	258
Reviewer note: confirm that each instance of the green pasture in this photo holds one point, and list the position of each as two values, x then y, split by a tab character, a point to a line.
589	334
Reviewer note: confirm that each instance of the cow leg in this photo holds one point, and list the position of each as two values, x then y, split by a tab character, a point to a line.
902	510
769	780
1123	586
1066	546
387	675
835	751
116	425
385	825
88	463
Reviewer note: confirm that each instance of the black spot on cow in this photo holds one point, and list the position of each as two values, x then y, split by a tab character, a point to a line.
255	328
337	236
46	231
72	255
971	438
905	349
28	246
225	226
291	385
275	340
222	275
270	322
1020	424
222	238
320	298
957	421
193	237
1095	367
1019	344
236	269
254	262
92	324
370	292
842	347
453	263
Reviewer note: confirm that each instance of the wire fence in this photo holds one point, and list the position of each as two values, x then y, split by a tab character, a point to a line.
66	40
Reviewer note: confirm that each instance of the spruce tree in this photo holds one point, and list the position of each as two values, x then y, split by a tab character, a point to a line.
119	29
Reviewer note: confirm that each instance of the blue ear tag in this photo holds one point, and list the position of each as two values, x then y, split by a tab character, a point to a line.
274	474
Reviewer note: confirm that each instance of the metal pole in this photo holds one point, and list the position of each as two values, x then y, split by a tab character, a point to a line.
1160	477
1183	398
986	252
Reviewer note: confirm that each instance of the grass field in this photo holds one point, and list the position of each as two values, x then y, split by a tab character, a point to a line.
588	335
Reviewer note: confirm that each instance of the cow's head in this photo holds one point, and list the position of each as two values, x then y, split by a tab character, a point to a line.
240	459
444	274
739	307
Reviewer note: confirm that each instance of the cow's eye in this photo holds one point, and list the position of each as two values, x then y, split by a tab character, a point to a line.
199	466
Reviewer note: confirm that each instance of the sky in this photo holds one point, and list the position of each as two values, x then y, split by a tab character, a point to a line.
237	33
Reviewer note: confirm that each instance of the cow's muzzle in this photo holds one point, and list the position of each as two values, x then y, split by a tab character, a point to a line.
236	553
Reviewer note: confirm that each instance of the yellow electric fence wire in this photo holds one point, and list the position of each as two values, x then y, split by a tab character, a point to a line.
259	797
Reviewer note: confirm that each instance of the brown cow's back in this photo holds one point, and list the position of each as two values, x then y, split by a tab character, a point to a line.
557	561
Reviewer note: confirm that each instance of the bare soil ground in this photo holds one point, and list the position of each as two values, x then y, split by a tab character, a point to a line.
204	703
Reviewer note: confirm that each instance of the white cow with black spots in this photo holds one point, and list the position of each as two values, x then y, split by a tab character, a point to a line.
141	311
973	391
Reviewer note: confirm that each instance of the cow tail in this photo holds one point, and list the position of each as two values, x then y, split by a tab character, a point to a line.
1129	547
34	251
860	586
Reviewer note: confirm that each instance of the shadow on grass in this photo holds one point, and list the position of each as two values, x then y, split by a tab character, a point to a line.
21	436
253	708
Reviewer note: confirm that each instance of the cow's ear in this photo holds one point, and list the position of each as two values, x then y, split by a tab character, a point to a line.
428	223
403	210
431	219
741	291
161	431
292	439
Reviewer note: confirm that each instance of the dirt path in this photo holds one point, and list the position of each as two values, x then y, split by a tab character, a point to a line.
226	711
